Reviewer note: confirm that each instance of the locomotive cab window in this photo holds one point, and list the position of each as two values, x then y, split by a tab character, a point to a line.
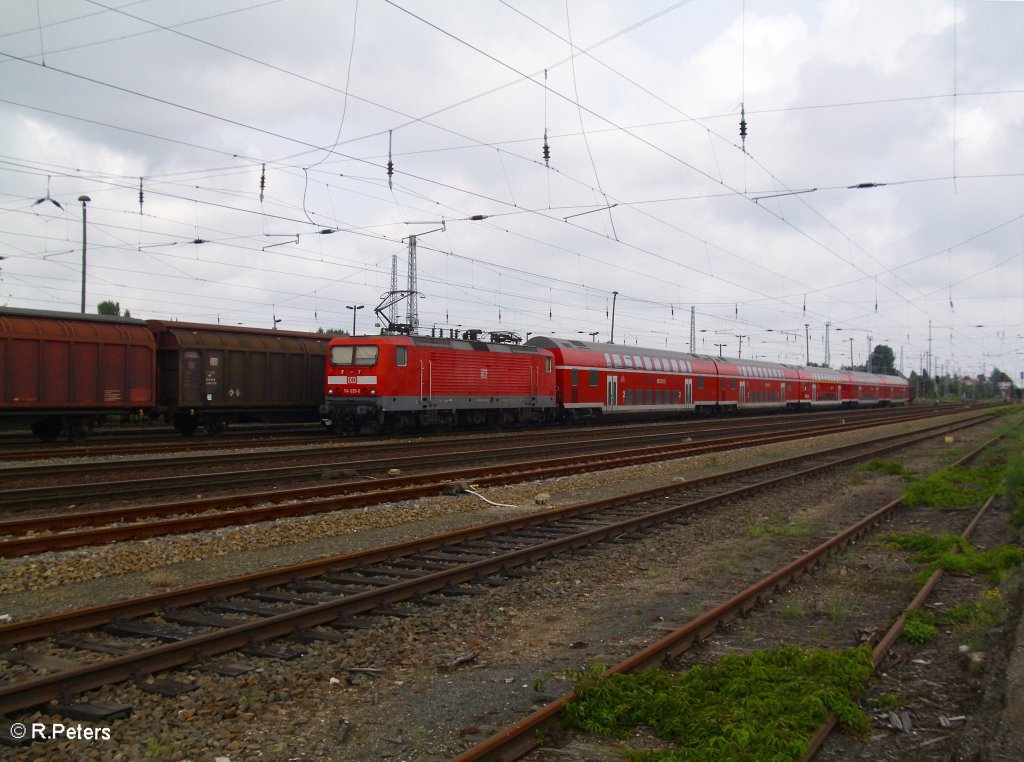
401	356
353	355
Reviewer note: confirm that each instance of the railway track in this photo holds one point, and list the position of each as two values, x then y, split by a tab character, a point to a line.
40	465
206	473
79	529
320	600
516	741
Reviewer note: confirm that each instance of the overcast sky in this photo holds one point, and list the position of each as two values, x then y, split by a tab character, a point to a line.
261	135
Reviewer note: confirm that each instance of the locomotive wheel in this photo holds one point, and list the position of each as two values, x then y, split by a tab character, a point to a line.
48	430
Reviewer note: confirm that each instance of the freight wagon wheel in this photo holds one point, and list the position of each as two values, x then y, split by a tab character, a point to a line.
185	425
48	430
79	429
215	425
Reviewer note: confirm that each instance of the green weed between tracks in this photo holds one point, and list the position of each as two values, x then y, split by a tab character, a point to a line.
761	706
964	486
955	555
969	620
766	705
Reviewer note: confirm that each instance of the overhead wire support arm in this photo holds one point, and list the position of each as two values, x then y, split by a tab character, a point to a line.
590	211
755	199
283	243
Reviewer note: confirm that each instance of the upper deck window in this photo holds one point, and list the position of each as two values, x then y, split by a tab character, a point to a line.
342	354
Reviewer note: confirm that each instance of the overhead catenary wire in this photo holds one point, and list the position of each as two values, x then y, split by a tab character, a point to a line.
201	202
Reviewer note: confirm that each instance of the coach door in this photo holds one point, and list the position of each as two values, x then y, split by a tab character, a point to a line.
743	393
689	392
612	391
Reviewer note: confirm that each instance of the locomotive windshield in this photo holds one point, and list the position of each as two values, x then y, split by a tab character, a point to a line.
353	355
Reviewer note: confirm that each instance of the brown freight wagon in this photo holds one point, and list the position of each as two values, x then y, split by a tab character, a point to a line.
210	376
65	372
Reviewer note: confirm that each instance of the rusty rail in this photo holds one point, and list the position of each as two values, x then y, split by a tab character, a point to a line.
251	508
520	738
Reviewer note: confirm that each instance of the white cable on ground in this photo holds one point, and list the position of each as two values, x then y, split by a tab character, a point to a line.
498	505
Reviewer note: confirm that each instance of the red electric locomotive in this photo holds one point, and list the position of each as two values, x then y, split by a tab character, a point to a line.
392	383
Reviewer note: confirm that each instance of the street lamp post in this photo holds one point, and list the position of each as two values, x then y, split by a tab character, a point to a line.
355	308
84	200
739	353
807	343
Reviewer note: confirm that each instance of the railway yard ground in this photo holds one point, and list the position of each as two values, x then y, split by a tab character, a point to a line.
432	682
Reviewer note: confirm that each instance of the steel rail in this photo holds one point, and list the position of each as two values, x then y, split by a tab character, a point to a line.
68	450
387	457
324	499
888	640
40	690
93	518
522	737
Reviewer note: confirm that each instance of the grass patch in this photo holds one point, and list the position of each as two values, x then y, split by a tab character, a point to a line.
836	608
795	528
1015	488
955	487
955	555
764	705
888	468
988	611
919	628
969	619
792	610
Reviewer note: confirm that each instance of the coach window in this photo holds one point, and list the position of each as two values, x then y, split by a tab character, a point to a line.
401	356
575	377
594	378
547	364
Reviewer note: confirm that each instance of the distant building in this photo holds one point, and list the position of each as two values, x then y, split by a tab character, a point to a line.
1005	386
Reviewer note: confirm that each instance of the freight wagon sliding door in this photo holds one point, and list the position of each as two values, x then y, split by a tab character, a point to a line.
213	386
191	378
